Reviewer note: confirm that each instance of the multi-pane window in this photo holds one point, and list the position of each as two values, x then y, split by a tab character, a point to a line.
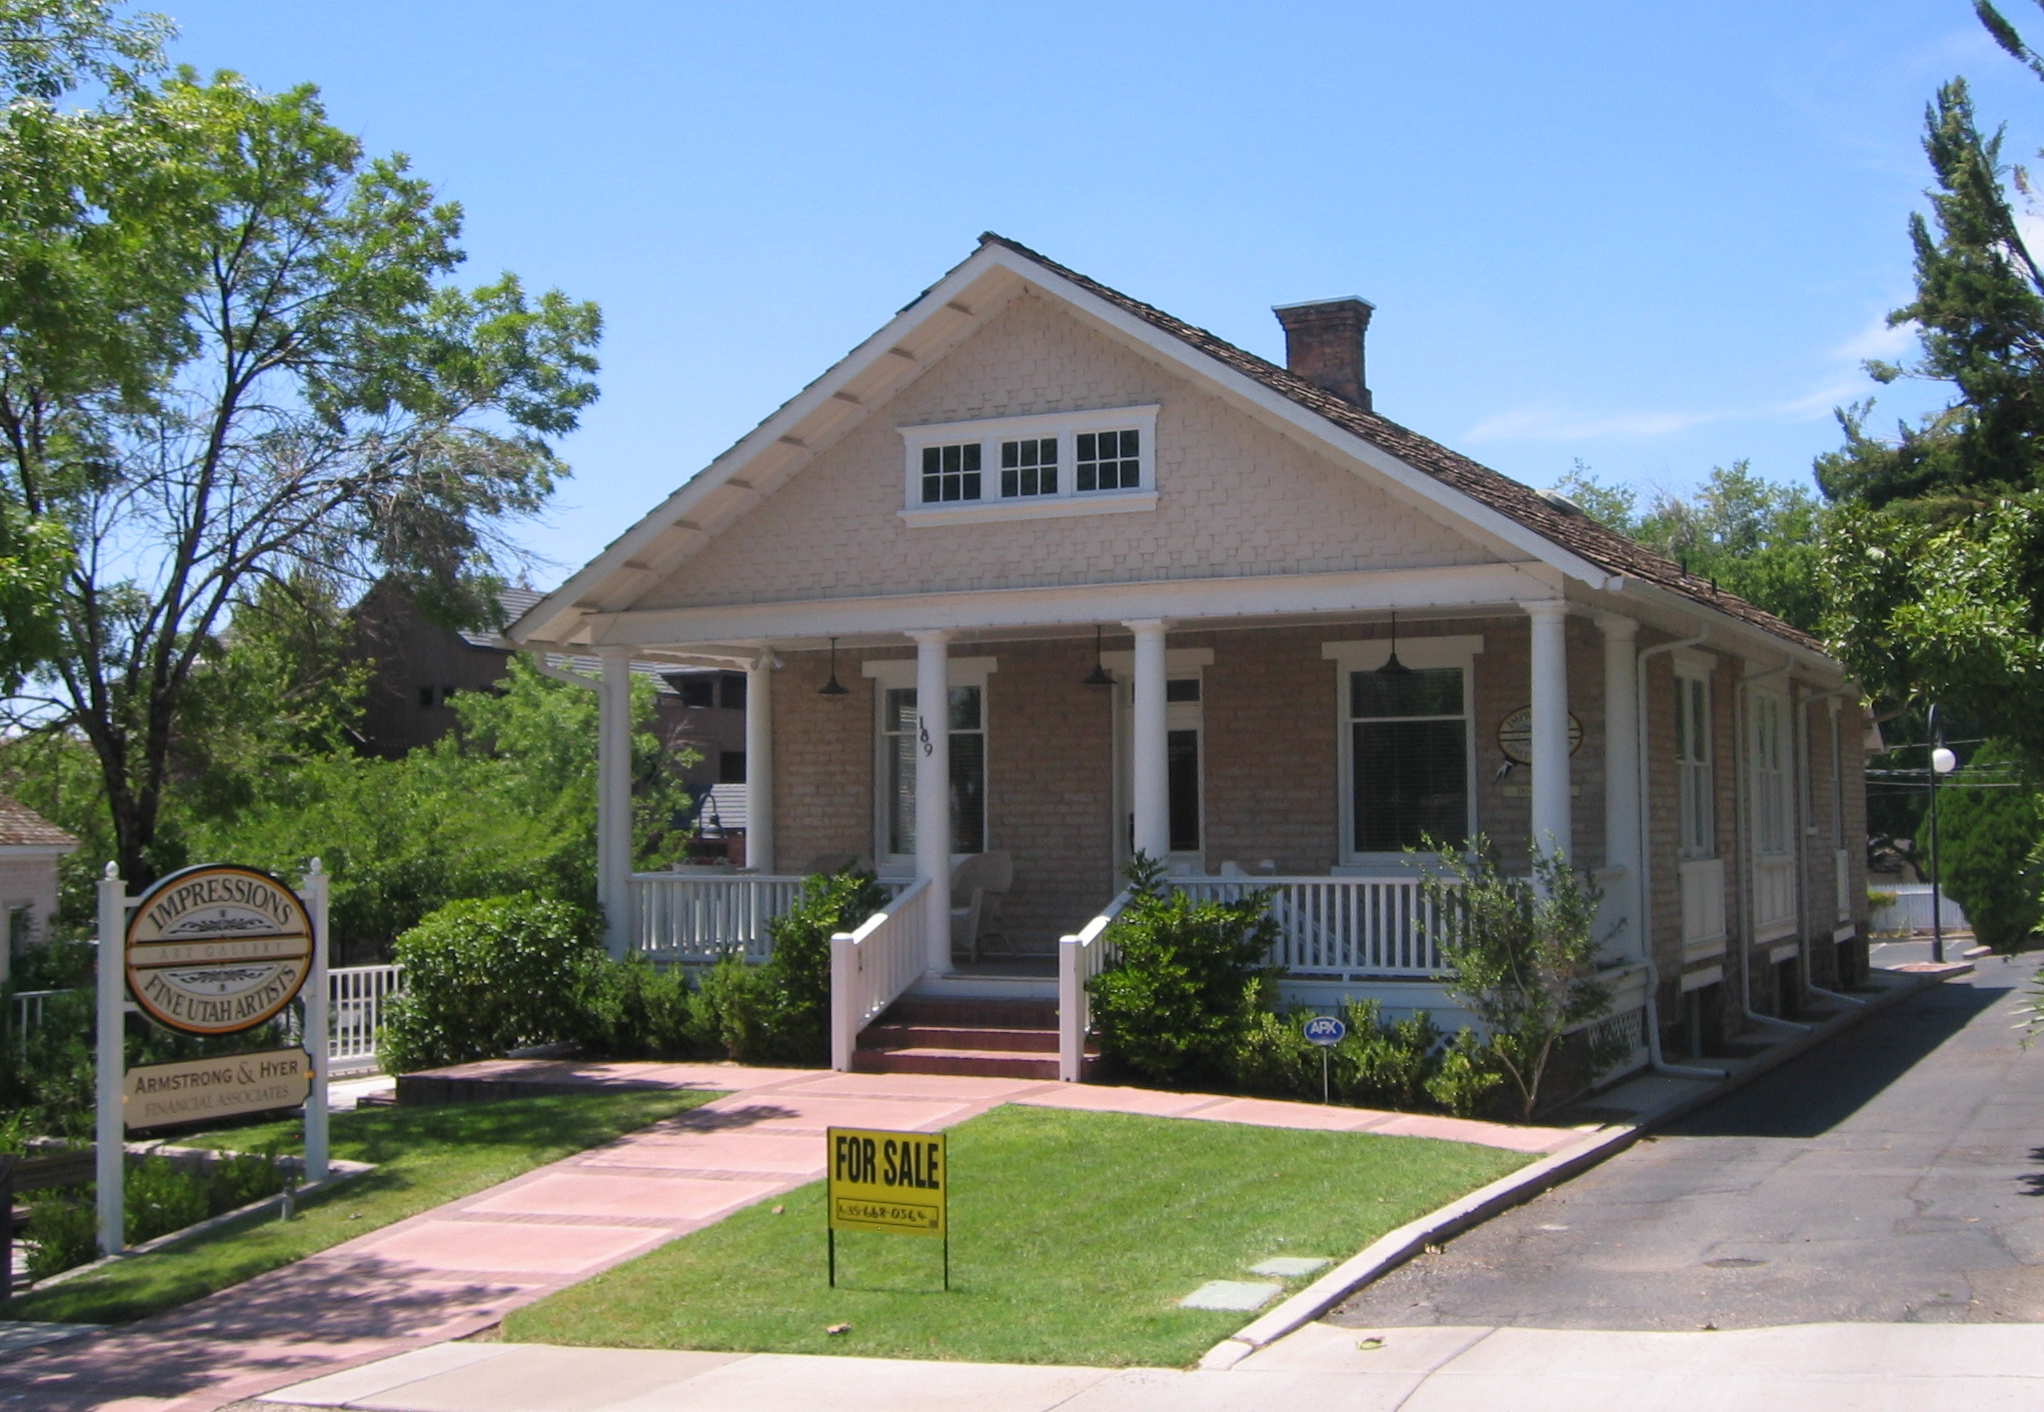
1770	775
1029	467
1042	464
1696	798
951	472
1108	460
1408	758
901	732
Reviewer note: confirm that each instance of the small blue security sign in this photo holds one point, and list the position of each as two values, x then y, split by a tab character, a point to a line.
1325	1029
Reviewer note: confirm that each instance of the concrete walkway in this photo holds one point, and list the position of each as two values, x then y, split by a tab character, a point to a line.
456	1270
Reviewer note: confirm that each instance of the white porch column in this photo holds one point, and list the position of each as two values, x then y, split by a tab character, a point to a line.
1148	758
933	790
614	800
1550	727
1623	838
759	763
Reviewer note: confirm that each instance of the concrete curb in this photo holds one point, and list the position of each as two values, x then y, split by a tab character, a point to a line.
1396	1247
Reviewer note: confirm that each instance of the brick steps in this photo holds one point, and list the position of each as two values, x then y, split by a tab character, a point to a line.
989	1038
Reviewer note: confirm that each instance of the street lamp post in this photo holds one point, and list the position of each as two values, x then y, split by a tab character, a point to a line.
1942	762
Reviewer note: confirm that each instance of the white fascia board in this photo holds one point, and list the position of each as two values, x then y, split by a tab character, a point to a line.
1750	637
713	476
31	852
1408	477
1183	602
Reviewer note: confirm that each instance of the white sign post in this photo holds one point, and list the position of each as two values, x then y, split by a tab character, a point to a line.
210	950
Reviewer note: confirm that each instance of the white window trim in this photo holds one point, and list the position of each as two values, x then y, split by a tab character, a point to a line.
1693	668
1366	655
1772	813
899	674
990	433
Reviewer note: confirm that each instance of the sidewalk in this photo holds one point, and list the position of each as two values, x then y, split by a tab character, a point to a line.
395	1298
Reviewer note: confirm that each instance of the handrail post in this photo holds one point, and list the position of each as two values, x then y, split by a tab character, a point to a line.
843	1002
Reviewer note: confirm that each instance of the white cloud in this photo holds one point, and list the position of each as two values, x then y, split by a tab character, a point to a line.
1559	424
1877	340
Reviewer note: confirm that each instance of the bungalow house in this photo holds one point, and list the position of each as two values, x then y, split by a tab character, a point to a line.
1182	600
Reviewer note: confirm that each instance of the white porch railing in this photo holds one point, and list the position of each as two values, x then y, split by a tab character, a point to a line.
872	966
355	997
355	1000
698	916
1080	957
1341	928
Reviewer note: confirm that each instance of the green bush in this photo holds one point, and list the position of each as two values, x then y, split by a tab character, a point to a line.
1521	955
629	1010
159	1197
1467	1076
732	1012
485	977
1183	991
1384	1064
237	1178
798	972
62	1231
1987	847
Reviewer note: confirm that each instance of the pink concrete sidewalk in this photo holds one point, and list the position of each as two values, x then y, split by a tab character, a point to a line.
460	1268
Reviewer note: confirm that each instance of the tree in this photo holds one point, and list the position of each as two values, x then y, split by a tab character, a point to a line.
1933	559
1989	830
230	355
1750	536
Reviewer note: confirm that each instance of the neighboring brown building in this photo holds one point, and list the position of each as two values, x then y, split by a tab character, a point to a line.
417	667
30	846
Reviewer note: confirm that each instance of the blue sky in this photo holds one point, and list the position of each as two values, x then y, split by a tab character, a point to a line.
1654	238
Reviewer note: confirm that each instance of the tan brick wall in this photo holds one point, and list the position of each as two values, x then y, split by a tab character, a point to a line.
1235	496
823	763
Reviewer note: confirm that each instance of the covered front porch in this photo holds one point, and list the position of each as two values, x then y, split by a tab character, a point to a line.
1291	749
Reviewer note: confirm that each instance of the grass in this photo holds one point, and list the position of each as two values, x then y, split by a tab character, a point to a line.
425	1157
1073	1236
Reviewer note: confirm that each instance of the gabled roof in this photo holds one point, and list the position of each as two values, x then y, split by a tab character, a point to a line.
1571	541
22	827
1577	533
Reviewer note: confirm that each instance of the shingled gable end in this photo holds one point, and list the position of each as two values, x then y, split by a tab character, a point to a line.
1028	481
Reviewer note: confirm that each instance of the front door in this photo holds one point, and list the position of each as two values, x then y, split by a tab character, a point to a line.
1184	773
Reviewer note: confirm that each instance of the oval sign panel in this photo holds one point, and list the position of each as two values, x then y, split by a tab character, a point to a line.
1325	1030
217	949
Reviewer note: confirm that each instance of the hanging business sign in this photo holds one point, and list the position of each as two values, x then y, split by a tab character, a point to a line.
217	949
1515	735
202	1090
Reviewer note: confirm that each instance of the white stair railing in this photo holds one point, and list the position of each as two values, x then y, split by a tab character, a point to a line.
698	916
1080	957
871	967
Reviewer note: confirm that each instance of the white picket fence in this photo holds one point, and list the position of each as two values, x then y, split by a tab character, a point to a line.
355	1000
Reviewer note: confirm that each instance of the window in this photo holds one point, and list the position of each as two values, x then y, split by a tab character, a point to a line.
1696	796
731	691
1017	467
20	929
731	767
899	735
1405	745
697	690
1770	775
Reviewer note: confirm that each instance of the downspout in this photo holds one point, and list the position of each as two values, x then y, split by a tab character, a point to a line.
1655	1061
1748	870
1837	787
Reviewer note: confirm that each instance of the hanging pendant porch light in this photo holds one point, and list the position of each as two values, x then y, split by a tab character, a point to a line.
1098	676
833	687
1392	666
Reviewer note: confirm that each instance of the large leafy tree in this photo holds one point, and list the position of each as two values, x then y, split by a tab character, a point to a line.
1752	537
232	354
1933	559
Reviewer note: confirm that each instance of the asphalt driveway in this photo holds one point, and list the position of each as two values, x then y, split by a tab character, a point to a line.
1894	1175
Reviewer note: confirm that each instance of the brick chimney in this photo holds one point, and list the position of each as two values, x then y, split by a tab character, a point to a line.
1324	344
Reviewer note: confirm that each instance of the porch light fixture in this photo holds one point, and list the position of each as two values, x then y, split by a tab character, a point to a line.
1392	666
833	687
1098	676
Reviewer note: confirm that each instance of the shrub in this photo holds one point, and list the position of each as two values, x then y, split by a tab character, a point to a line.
1987	845
629	1010
732	1012
485	977
1520	954
1381	1064
1177	1002
1467	1076
159	1197
62	1231
237	1178
1272	1057
798	972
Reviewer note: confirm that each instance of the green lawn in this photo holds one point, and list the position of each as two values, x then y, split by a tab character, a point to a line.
1073	1236
425	1157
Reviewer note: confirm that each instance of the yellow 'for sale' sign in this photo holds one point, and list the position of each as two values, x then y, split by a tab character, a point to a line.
887	1181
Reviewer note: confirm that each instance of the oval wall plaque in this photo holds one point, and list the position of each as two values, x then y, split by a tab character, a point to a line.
217	949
